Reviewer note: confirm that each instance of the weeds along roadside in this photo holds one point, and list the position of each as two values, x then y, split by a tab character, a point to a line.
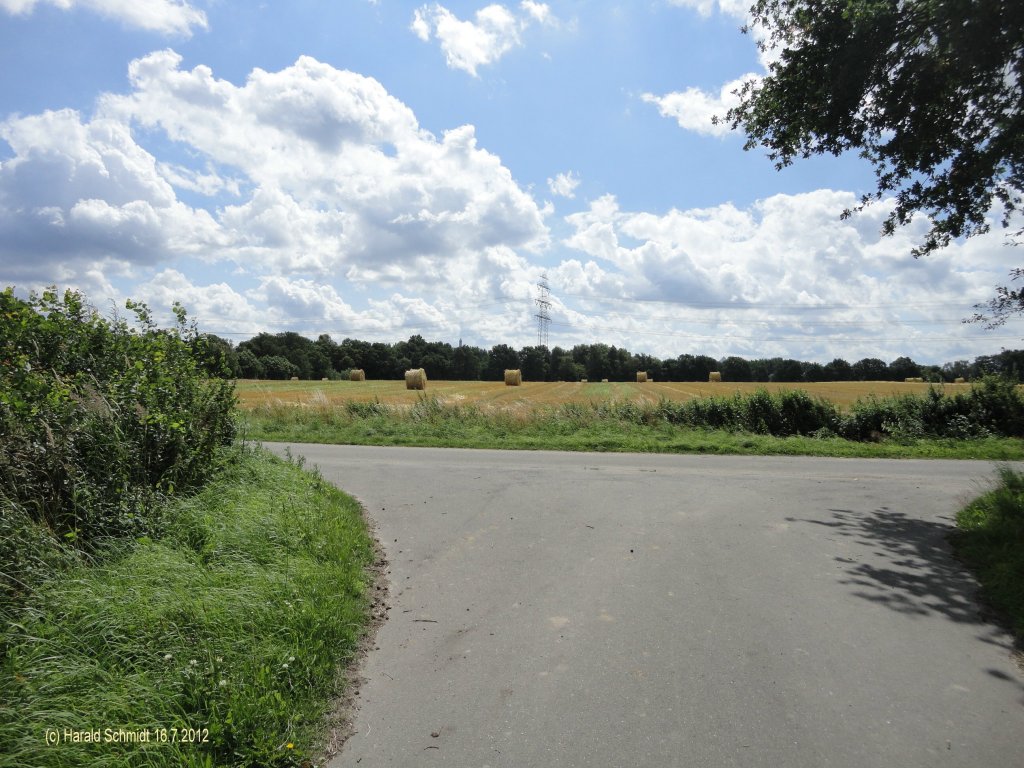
990	539
153	575
232	622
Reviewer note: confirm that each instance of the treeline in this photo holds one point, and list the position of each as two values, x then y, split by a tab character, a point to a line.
284	355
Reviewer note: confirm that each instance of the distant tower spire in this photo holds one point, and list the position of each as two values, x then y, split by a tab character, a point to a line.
543	316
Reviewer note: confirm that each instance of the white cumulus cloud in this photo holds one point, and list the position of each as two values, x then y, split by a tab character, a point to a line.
171	17
739	9
82	192
321	176
564	184
694	109
468	45
746	281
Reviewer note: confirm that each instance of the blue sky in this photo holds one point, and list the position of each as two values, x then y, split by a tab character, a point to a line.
377	169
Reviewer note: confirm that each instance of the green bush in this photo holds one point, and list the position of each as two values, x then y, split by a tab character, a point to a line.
98	419
993	406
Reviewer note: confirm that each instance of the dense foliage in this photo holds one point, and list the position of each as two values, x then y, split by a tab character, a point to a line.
283	355
98	419
927	91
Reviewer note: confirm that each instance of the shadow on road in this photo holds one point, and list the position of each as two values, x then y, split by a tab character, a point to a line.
910	569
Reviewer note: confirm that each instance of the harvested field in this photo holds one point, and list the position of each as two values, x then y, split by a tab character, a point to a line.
252	393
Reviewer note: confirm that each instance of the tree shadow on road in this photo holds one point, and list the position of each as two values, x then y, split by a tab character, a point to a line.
909	567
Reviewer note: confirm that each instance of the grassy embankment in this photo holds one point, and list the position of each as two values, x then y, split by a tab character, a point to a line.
991	540
971	423
231	622
154	575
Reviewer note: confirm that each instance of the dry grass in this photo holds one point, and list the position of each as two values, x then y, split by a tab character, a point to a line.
495	393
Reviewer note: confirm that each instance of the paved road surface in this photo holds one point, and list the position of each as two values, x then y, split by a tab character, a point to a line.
559	609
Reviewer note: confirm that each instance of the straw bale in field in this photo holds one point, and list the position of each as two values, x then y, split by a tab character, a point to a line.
959	380
513	377
715	376
295	378
604	381
324	379
583	381
641	377
914	380
416	379
357	374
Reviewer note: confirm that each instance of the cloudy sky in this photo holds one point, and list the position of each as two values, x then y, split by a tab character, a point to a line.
374	169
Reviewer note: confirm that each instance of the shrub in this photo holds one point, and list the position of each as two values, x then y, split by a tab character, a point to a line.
993	406
98	420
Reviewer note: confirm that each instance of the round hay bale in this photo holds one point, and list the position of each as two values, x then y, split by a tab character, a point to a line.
357	374
416	379
583	381
715	376
513	377
641	377
959	380
295	378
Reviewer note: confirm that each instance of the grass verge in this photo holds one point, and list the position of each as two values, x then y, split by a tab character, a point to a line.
576	427
990	540
231	622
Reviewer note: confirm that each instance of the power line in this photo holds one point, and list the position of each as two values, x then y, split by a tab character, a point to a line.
752	305
543	301
809	337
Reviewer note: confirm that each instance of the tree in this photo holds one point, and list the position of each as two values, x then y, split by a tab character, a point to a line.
568	369
735	369
903	368
534	363
501	358
788	370
838	370
814	372
250	366
870	369
927	91
217	355
278	367
468	362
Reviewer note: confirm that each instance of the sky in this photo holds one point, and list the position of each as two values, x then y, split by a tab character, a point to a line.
376	169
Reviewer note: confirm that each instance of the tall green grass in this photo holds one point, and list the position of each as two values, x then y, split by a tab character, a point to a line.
231	619
991	540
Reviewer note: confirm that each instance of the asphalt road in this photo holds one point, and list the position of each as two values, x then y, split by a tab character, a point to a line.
564	609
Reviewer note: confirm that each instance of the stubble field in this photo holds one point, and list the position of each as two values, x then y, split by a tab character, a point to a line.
496	393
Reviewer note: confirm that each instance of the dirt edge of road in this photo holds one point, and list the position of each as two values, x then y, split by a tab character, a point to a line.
340	720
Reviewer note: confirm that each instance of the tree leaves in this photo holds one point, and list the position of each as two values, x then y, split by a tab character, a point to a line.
928	91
